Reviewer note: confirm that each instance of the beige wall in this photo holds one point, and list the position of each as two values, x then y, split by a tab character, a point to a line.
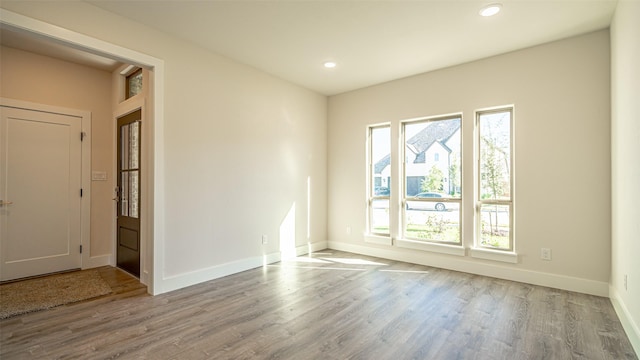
562	124
625	155
44	80
240	147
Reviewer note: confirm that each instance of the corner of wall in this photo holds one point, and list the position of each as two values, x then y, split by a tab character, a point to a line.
625	166
630	327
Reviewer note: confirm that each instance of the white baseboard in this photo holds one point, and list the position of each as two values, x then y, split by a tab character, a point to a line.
311	247
630	326
145	279
592	287
180	281
90	262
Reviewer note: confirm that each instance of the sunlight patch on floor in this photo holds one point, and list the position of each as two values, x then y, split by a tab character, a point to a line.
306	259
406	271
316	267
350	261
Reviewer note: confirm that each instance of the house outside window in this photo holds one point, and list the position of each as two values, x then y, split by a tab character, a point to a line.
494	213
133	84
379	155
432	194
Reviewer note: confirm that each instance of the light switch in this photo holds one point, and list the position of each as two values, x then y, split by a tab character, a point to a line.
99	175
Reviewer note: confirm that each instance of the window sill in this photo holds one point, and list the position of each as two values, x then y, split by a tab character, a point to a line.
432	247
377	239
495	255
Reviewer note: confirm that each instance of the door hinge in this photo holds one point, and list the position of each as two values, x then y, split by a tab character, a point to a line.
80	249
82	135
80	192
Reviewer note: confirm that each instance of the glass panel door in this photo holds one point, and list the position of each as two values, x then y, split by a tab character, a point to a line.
128	223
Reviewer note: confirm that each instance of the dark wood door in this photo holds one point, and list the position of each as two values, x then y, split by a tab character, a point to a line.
128	199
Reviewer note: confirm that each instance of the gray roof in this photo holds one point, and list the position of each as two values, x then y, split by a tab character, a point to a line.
436	131
381	164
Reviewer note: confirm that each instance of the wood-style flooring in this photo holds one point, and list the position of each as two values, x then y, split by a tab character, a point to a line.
330	305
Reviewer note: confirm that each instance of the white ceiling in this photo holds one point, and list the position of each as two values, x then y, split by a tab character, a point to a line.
372	41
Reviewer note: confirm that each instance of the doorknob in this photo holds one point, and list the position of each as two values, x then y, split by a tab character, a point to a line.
2	202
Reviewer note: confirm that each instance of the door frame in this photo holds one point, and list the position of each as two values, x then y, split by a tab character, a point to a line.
152	230
87	261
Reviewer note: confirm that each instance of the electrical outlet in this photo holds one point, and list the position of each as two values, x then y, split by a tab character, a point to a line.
265	239
545	254
625	282
348	230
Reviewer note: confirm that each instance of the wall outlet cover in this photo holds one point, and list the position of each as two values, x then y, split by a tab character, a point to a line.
545	254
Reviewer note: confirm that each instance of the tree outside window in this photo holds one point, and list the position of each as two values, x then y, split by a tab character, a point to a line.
494	129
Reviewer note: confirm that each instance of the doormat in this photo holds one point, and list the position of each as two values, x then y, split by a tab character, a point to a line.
27	296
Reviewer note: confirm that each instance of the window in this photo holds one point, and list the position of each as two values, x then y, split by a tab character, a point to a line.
133	84
379	179
432	180
494	215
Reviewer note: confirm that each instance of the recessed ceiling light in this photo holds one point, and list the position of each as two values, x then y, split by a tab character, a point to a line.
330	64
490	9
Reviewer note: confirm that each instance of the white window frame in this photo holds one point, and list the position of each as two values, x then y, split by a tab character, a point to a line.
371	235
430	244
484	251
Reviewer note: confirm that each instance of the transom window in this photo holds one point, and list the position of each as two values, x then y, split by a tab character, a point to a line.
133	84
432	172
494	215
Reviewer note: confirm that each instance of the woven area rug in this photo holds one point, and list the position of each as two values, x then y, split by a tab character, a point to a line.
44	293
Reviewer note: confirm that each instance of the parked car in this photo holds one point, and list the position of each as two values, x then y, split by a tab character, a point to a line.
382	191
430	205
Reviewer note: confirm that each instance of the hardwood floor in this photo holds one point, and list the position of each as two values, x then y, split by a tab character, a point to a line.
331	305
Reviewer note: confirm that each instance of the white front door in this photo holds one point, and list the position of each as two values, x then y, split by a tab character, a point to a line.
40	200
